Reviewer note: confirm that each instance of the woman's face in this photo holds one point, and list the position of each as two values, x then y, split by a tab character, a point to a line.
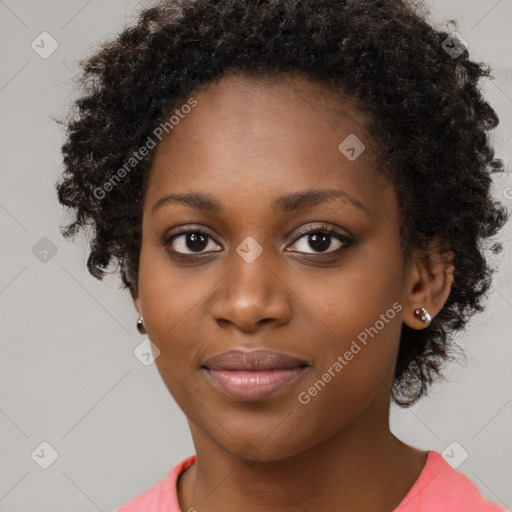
254	281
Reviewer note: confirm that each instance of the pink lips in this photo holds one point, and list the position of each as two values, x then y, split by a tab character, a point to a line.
252	375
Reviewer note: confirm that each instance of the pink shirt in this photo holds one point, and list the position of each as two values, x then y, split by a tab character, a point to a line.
439	488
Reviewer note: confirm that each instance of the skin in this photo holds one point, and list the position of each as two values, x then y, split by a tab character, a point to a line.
246	143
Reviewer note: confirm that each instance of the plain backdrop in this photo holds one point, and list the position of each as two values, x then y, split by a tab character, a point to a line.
68	374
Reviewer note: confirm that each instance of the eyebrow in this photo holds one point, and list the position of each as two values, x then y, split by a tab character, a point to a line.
286	203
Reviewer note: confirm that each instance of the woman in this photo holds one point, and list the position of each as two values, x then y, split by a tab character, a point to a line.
296	193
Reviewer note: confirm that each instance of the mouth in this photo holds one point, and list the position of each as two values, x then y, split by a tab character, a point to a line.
252	385
252	376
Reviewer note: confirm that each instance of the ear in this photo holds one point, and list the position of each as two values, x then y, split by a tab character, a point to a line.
429	282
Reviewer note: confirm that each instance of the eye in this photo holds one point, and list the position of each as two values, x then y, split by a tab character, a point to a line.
320	239
195	240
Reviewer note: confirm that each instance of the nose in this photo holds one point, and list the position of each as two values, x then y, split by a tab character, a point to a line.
252	295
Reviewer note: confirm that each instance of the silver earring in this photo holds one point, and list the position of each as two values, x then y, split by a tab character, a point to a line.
140	325
423	315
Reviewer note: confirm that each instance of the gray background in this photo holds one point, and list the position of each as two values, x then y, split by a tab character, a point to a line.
68	373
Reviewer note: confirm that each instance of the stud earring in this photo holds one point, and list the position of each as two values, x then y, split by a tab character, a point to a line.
140	325
423	315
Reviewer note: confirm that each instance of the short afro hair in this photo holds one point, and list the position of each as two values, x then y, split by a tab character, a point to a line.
423	103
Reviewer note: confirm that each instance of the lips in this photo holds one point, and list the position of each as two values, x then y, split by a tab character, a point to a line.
257	360
252	376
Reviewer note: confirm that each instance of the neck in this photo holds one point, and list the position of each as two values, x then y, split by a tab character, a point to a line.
362	467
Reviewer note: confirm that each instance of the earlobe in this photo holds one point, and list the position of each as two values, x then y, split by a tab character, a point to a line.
430	280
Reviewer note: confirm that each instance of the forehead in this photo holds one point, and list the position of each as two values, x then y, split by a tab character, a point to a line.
266	136
248	103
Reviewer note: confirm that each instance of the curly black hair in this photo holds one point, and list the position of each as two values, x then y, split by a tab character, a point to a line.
423	104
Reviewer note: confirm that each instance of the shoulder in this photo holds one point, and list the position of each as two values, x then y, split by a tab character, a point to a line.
162	495
444	489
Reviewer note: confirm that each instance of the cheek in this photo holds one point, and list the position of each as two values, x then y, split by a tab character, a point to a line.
170	316
354	368
356	355
356	319
345	303
169	306
169	294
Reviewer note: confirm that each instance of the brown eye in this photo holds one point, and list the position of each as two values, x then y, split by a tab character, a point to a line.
189	241
321	239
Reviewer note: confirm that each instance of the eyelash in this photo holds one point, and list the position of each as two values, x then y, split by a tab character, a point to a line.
344	239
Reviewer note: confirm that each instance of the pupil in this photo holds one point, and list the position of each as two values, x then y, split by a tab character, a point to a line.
197	241
323	244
